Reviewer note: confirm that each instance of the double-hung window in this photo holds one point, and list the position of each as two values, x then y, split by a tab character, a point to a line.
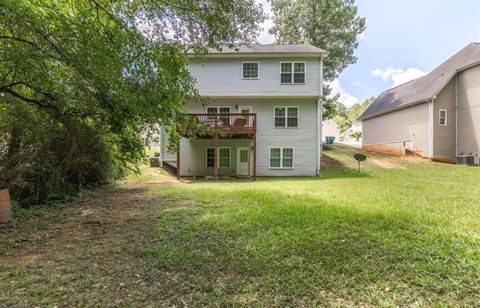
442	117
250	70
286	117
292	72
224	119
224	157
281	158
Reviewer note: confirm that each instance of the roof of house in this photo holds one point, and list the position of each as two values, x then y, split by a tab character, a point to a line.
420	90
275	49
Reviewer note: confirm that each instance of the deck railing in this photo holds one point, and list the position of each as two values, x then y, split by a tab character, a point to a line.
237	123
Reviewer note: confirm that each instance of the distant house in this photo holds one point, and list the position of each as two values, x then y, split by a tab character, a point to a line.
346	136
436	116
331	129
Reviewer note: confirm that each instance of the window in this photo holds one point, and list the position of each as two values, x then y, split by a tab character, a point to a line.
286	117
223	119
281	158
250	70
210	157
224	157
442	117
292	72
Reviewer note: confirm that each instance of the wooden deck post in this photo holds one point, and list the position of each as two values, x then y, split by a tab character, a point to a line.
217	158
254	156
178	161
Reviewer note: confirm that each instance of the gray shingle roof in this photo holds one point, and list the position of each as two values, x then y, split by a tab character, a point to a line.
419	90
270	49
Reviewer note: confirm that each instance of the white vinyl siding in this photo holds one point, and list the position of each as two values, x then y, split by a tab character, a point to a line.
250	70
224	157
222	77
292	72
286	117
442	117
281	158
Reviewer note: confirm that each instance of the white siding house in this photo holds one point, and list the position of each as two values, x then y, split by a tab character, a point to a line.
436	116
266	99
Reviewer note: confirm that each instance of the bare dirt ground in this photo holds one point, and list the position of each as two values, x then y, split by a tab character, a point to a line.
91	245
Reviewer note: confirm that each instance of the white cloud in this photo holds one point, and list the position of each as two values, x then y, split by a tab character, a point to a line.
398	76
265	37
343	96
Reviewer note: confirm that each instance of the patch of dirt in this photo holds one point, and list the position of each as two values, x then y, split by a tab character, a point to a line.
387	164
93	245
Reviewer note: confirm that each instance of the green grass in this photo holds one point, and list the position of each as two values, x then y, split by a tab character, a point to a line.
402	236
404	232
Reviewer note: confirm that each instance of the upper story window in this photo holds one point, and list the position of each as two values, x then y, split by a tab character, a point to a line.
292	72
223	118
250	70
286	117
442	117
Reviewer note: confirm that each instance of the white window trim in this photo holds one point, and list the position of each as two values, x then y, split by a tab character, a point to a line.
286	117
217	157
440	117
293	72
281	158
218	108
258	70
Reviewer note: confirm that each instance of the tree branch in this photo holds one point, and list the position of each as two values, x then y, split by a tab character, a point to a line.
18	39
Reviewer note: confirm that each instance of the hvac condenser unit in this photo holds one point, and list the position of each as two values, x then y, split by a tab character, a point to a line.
466	160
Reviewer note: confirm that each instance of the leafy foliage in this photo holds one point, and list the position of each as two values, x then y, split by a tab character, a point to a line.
346	116
332	25
99	71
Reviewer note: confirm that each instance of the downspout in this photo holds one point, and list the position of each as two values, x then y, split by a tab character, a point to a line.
319	118
456	115
430	128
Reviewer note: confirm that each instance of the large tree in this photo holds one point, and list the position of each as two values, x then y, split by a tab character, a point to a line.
102	68
332	25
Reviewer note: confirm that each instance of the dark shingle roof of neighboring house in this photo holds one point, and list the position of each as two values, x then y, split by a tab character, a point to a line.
269	49
420	90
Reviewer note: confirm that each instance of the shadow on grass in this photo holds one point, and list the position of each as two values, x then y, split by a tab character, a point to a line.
277	249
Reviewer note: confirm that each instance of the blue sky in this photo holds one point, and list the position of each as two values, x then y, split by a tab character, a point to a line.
404	39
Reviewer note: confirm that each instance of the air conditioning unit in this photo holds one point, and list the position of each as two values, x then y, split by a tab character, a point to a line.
467	160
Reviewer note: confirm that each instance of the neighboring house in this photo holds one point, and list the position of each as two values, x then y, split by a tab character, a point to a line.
346	136
330	129
436	116
267	98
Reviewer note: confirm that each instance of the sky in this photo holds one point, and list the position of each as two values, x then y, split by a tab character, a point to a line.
404	40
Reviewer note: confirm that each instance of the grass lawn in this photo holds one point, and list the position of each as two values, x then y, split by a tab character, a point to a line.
403	232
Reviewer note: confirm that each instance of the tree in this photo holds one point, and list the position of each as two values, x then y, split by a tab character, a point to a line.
100	70
345	116
332	25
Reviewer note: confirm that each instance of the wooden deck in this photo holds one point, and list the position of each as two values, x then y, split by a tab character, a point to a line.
232	123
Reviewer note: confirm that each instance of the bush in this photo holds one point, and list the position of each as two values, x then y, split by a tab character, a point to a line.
42	158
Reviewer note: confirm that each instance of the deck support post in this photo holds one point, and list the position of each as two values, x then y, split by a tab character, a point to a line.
254	156
178	161
217	158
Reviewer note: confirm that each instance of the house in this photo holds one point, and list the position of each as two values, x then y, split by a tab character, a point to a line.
331	129
436	116
266	99
346	136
